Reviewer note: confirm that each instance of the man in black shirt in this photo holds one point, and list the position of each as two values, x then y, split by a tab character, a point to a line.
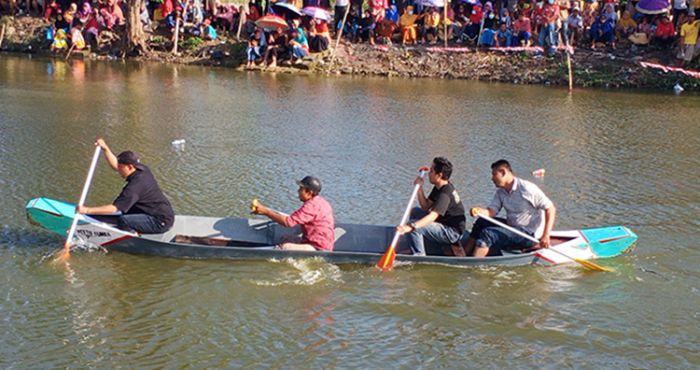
440	221
143	205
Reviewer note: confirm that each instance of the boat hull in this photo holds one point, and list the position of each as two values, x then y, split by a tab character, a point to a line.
254	239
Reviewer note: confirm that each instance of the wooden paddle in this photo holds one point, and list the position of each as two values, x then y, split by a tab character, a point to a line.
588	264
66	247
387	260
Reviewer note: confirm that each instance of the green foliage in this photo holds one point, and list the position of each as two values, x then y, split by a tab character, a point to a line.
191	43
158	39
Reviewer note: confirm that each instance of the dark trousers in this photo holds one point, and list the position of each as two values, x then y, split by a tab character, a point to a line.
143	223
339	14
497	238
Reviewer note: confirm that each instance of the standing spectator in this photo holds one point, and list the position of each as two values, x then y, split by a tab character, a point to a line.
341	6
679	7
689	37
548	36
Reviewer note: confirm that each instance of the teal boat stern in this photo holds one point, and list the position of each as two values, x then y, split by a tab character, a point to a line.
610	241
53	215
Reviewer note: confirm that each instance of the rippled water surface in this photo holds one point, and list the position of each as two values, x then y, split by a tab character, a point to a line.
626	158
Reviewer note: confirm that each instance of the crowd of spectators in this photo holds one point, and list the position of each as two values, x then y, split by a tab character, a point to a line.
502	23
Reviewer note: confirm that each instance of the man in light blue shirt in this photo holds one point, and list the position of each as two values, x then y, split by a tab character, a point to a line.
527	209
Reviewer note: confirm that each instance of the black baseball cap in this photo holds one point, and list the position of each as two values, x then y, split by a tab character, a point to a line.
310	183
128	157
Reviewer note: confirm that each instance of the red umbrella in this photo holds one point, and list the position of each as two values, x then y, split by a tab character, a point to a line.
271	22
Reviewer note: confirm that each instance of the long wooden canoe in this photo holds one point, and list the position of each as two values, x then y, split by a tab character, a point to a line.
255	239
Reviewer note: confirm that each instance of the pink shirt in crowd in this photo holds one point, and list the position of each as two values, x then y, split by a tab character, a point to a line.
522	25
316	219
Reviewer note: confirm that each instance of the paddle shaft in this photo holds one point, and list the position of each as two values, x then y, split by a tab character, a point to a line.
528	237
407	212
83	195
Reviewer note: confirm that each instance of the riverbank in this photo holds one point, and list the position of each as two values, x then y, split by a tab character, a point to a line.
621	68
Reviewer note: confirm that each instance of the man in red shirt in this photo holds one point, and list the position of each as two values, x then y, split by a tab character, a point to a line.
315	217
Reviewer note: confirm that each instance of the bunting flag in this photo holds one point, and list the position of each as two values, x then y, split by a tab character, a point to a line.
666	69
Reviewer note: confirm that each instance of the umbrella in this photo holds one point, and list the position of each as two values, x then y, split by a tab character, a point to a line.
653	6
318	13
286	10
271	22
433	3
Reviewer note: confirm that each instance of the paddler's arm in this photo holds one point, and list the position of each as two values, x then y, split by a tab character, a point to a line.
273	215
549	215
100	210
425	221
109	156
424	202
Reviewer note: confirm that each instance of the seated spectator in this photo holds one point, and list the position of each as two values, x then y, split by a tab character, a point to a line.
91	30
112	14
503	36
60	41
522	30
276	48
76	37
602	31
626	26
665	34
407	22
575	26
385	31
256	47
689	38
366	28
319	36
460	21
431	22
208	32
298	43
488	34
471	32
69	14
85	12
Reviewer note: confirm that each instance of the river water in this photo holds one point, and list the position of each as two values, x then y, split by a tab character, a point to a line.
611	157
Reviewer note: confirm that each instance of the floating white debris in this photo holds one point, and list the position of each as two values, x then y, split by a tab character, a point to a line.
538	173
178	142
677	88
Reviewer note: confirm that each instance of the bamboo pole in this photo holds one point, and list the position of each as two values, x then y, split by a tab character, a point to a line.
340	34
177	25
2	34
568	63
444	20
241	20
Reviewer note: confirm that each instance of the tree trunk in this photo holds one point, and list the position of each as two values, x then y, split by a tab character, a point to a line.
136	37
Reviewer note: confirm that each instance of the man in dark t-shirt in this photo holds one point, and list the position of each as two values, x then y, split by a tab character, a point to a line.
440	221
143	206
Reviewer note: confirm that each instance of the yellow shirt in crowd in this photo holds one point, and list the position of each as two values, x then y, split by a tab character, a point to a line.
689	32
